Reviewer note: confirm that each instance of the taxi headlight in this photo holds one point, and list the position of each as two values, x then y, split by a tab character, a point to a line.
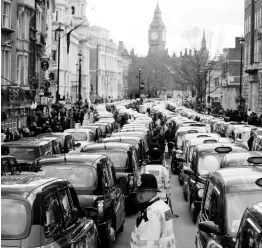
200	193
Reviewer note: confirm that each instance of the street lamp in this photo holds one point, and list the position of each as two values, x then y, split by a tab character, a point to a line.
200	85
58	30
79	79
241	41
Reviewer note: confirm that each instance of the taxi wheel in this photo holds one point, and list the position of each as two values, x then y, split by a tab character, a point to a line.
185	195
193	211
180	180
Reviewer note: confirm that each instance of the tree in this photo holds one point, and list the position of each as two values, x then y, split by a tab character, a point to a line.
191	69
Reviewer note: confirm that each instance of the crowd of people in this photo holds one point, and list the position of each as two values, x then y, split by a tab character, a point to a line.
57	120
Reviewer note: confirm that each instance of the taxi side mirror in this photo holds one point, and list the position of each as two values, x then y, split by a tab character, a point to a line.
91	212
77	145
208	227
189	172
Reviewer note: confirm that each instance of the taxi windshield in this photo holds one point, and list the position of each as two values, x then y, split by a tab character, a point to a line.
22	153
119	159
209	163
236	203
81	177
11	211
79	136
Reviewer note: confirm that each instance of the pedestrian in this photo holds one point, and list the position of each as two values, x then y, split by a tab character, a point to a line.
249	112
169	136
17	136
251	140
154	225
9	135
161	140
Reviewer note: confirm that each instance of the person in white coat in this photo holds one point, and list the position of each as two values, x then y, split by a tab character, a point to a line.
154	224
162	177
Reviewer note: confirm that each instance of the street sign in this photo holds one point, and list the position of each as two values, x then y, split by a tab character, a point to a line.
46	83
44	65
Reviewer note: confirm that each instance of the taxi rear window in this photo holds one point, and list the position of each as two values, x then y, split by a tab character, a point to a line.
79	136
22	153
11	211
119	159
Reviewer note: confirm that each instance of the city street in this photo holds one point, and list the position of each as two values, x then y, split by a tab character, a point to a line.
184	227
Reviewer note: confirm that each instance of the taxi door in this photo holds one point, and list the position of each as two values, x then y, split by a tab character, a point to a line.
211	210
116	195
62	228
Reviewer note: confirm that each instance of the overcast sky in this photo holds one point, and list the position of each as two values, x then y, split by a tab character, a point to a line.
129	20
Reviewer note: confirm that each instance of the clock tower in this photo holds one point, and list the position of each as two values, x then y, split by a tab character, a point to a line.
157	34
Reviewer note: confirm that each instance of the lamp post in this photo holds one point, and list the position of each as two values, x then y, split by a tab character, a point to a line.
200	85
207	71
241	41
79	79
59	30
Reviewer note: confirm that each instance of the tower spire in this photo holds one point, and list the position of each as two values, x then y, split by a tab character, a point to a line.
204	42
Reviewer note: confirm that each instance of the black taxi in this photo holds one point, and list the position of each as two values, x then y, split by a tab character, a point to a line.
9	166
250	231
136	141
66	139
27	150
125	159
228	192
94	179
206	158
43	212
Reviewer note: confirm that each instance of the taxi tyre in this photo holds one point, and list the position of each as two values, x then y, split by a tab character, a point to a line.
180	179
193	211
185	193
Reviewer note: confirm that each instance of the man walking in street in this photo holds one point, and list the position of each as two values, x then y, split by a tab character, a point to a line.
154	225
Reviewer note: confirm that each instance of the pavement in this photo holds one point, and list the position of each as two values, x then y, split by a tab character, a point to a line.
184	227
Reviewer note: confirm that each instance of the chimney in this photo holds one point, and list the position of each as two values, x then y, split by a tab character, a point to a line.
186	51
195	52
190	52
181	54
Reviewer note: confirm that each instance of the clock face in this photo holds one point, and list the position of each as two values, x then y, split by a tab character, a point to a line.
154	35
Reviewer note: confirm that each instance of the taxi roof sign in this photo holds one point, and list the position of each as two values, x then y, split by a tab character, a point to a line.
259	182
255	160
192	131
223	149
207	141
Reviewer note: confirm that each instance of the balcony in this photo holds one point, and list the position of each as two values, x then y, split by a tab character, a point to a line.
28	3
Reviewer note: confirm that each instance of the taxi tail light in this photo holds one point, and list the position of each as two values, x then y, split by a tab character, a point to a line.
100	208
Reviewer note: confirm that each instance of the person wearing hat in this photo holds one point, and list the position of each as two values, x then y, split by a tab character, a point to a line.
154	225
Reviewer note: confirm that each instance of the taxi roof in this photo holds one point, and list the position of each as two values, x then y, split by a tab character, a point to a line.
239	179
198	141
128	133
242	156
120	138
109	145
69	157
203	148
190	136
24	183
75	130
27	142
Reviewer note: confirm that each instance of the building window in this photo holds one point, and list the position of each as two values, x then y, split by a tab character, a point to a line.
6	64
216	82
25	70
56	16
73	10
18	69
6	17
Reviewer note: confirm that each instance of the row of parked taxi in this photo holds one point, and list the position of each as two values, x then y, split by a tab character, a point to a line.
76	187
220	178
